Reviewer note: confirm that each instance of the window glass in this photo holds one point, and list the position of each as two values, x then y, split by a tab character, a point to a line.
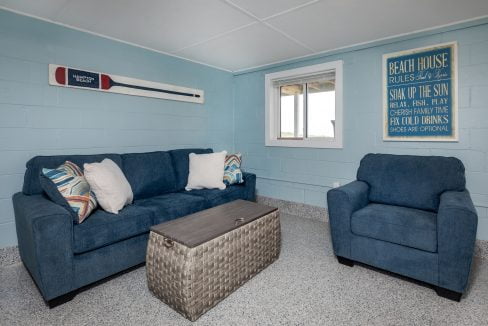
291	111
321	109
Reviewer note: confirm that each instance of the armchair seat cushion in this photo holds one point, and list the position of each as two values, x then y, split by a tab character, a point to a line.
170	206
401	225
103	228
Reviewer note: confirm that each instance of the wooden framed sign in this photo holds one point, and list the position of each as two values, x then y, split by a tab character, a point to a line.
420	94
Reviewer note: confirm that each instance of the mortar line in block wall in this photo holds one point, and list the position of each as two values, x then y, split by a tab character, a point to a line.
326	188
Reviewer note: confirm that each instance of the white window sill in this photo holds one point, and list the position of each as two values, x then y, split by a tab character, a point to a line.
307	143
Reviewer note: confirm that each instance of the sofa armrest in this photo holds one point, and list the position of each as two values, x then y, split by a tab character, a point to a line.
341	203
250	184
457	222
45	233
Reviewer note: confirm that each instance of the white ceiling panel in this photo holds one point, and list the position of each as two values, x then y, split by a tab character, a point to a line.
230	34
266	8
42	8
328	25
248	47
164	25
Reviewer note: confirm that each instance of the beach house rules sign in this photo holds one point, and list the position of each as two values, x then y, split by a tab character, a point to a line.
420	94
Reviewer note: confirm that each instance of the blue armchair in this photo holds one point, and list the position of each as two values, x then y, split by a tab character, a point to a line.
410	215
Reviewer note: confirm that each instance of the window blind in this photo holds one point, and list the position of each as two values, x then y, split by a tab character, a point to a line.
323	76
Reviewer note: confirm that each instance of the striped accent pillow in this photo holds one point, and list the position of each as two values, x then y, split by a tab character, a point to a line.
72	185
232	169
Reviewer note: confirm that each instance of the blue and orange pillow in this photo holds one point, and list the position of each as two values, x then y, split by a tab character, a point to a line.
66	186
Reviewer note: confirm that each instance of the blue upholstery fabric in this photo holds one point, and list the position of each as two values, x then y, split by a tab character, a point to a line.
170	206
105	261
103	228
215	197
412	181
181	164
342	202
62	257
34	166
410	215
250	184
149	174
45	233
52	192
456	232
401	225
406	261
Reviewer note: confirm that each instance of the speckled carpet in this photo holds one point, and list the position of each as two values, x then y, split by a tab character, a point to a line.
306	286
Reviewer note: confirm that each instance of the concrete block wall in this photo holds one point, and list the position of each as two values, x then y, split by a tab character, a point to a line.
305	175
38	119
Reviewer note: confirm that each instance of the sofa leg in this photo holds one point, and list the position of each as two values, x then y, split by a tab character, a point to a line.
61	299
448	294
345	261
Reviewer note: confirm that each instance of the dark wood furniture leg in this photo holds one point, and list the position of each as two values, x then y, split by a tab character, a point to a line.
448	294
345	261
61	299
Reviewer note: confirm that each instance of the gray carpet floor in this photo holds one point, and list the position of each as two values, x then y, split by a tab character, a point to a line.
306	286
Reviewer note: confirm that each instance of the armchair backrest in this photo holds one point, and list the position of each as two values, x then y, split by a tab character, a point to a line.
411	181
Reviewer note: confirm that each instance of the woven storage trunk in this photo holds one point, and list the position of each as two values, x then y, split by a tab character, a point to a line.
193	280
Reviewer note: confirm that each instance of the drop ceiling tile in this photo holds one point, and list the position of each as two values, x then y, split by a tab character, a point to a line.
263	9
327	25
251	46
41	8
217	33
165	25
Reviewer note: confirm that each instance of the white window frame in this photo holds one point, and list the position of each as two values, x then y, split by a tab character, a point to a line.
272	95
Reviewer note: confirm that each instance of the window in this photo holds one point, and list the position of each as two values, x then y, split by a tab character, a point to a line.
304	107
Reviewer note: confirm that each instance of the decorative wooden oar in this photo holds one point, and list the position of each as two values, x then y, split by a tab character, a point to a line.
71	77
107	83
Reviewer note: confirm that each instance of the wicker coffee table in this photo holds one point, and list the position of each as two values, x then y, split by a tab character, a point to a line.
194	262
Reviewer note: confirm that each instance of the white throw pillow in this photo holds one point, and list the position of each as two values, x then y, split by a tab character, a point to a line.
109	184
206	171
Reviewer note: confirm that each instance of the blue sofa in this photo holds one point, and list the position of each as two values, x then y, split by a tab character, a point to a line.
63	257
410	215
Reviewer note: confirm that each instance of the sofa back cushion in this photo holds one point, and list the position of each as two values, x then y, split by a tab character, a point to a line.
411	181
181	164
32	185
149	174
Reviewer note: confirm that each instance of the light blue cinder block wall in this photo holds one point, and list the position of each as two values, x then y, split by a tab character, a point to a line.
305	175
38	119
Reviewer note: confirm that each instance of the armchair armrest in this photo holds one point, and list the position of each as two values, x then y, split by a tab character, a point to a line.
45	233
250	184
341	203
457	222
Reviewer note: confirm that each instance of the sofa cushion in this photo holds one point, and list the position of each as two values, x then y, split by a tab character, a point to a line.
181	164
104	228
32	185
215	197
109	184
232	169
170	206
149	174
206	171
401	225
412	181
66	186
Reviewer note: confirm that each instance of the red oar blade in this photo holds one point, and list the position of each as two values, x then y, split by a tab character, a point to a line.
105	81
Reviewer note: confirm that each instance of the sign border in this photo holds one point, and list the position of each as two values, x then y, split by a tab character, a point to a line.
454	80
